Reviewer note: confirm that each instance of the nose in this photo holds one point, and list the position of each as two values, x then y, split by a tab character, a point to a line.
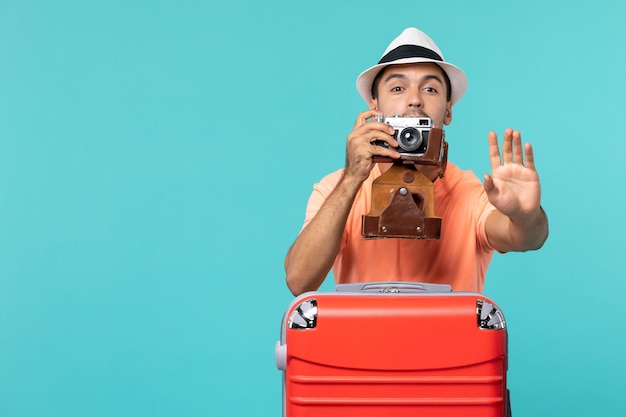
414	98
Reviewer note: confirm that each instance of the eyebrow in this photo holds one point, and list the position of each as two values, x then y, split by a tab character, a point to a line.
404	77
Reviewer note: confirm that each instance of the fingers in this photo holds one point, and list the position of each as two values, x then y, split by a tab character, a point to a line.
371	132
366	131
507	146
364	117
512	150
361	146
494	150
530	157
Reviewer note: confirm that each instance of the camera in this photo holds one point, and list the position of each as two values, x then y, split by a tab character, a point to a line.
403	197
410	132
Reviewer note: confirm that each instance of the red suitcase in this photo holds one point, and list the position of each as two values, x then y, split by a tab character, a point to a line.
393	349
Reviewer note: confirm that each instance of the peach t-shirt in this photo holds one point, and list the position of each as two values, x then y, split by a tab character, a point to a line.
459	258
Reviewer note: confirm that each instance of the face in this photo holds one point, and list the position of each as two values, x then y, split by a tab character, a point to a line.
414	90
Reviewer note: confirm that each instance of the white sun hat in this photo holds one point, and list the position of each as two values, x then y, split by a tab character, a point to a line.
410	47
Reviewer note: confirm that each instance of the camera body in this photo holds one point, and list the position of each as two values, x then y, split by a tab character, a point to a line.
419	142
410	132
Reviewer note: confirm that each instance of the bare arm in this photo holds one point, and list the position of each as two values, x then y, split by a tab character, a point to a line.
519	223
312	255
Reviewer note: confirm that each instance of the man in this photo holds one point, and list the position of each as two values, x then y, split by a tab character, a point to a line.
504	214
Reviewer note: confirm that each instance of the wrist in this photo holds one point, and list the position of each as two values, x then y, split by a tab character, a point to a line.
351	182
530	232
530	219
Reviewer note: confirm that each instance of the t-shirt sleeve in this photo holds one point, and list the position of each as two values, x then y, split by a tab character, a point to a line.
321	191
483	209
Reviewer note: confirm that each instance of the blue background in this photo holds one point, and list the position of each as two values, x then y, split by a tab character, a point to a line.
155	162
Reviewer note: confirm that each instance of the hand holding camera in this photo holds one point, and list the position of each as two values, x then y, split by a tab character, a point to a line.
360	150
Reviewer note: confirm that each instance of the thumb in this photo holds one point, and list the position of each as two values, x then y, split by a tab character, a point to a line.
488	183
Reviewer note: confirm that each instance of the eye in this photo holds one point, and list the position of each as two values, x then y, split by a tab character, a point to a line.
429	89
397	89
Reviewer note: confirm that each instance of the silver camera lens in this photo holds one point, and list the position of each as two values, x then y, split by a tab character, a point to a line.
409	139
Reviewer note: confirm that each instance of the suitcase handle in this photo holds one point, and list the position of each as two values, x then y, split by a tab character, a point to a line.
393	287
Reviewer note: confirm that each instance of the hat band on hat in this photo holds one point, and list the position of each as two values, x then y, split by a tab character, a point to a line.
410	51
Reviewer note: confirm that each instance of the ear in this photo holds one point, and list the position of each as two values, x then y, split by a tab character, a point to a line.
448	117
373	104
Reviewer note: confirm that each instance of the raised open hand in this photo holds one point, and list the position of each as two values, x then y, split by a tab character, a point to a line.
513	186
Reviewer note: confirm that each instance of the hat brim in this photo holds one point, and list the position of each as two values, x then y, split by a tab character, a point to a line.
458	81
